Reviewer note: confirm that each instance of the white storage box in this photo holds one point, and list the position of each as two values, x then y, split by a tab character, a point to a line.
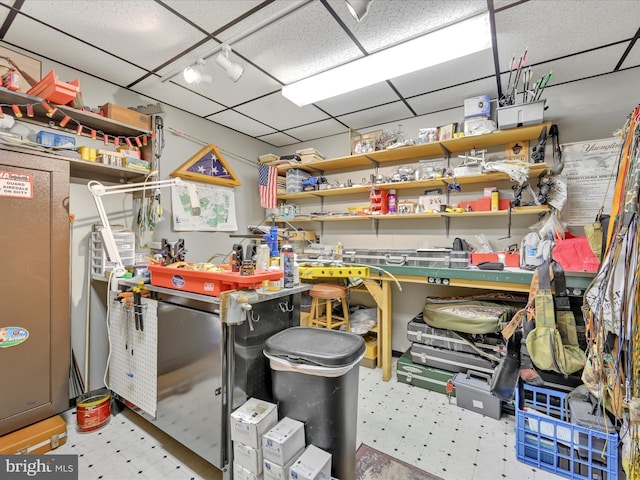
282	442
250	458
241	473
313	464
273	471
520	115
252	420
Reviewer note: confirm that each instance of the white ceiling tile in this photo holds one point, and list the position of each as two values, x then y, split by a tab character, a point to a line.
179	97
390	22
325	128
357	100
375	116
279	139
304	43
239	122
461	70
633	59
452	97
33	36
143	32
277	111
212	15
565	28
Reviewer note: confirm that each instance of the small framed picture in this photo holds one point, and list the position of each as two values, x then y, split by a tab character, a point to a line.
446	132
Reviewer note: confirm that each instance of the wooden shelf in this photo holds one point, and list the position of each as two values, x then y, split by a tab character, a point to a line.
535	169
423	150
79	168
534	210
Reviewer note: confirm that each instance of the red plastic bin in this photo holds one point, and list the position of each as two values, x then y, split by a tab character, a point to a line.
207	283
510	259
55	91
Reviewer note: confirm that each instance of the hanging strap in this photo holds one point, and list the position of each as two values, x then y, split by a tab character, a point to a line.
560	298
544	308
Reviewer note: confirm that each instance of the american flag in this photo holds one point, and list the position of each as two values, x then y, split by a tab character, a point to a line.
268	181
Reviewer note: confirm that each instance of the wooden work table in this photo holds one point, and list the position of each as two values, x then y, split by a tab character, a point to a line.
379	285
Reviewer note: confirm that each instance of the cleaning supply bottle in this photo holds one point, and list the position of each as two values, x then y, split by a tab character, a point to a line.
393	201
286	262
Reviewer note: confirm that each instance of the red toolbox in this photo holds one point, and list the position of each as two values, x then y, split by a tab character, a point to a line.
207	283
41	437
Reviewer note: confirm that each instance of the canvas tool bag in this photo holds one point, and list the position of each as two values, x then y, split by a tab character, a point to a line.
467	316
553	343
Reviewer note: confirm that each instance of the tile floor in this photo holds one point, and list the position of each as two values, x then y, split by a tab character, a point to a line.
415	425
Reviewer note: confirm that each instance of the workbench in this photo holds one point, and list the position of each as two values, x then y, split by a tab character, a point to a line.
198	350
379	285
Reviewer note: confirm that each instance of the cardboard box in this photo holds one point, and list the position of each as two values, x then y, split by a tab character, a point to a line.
273	471
252	420
126	116
282	441
241	473
313	464
248	457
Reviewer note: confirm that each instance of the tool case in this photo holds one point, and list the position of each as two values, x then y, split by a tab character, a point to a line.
421	376
450	360
38	438
420	332
473	393
434	257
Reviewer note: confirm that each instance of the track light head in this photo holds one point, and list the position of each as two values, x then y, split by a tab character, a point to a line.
358	8
233	70
194	73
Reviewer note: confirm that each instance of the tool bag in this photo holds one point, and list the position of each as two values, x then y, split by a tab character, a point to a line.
467	316
553	343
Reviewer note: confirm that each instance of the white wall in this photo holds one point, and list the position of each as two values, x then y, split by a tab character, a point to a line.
586	110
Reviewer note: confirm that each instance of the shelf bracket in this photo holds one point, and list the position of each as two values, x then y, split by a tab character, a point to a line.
375	226
447	224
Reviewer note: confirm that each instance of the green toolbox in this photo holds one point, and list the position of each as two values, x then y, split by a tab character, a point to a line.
423	376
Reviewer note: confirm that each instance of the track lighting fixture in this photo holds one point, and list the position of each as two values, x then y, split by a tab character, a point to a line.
358	8
233	70
194	73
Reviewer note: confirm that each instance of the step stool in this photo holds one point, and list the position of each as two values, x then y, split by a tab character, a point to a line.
323	295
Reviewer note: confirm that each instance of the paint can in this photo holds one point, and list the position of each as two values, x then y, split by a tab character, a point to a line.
93	410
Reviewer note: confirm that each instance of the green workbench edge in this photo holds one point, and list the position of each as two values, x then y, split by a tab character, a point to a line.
575	280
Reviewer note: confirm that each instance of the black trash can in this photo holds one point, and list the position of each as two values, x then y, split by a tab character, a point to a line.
315	381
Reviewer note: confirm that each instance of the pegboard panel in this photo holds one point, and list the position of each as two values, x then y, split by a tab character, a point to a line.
133	365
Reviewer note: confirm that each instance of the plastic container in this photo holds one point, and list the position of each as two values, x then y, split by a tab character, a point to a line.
546	439
315	381
286	260
55	91
49	139
207	283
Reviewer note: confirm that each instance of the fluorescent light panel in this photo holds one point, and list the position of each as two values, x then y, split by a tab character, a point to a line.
455	41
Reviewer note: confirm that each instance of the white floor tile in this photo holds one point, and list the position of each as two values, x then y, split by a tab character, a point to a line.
418	426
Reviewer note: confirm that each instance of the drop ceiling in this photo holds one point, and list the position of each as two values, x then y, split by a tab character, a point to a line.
136	44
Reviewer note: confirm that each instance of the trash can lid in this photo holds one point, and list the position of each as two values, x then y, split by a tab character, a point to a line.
316	346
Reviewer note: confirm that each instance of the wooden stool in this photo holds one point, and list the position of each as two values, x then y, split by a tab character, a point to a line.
323	294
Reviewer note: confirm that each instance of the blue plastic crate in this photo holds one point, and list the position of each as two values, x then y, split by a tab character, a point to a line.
546	439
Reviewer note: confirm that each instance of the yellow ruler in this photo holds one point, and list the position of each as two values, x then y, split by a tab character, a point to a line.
333	272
